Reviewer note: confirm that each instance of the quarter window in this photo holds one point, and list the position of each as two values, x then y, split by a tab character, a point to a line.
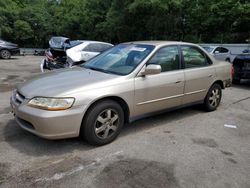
193	57
167	57
93	47
223	50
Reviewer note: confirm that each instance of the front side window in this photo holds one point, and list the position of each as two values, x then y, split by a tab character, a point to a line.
121	59
167	57
193	57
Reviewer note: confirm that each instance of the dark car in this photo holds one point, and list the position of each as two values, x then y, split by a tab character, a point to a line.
241	65
7	49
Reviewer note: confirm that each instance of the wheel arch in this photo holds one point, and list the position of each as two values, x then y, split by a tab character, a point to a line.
117	99
220	82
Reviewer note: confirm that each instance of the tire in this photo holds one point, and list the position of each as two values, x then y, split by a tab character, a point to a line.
5	54
102	123
213	98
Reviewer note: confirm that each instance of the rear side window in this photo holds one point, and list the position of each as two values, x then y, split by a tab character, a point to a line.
193	57
223	50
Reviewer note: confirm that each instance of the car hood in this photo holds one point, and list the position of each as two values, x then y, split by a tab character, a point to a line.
63	82
9	44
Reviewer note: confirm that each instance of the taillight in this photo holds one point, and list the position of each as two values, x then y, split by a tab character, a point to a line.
232	70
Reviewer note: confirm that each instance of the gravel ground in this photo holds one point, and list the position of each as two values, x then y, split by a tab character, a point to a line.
183	148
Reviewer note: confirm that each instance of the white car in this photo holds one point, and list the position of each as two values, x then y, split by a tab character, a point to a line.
86	50
219	53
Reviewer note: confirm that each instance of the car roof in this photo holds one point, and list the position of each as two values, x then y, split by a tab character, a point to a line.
216	47
160	42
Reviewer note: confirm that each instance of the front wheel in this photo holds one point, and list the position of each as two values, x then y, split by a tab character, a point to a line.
213	98
103	122
5	54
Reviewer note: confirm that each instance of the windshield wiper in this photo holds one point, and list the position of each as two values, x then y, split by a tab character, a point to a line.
96	69
101	70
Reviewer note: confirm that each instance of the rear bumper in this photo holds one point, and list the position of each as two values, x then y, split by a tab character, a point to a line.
245	74
51	65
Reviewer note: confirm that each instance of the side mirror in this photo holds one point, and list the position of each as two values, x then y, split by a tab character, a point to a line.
151	69
216	52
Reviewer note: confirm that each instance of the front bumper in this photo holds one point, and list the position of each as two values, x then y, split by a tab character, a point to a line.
47	124
15	51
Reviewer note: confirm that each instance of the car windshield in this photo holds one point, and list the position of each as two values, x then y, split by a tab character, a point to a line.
208	49
121	59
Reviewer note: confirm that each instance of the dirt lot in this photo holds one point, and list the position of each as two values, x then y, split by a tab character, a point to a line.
184	148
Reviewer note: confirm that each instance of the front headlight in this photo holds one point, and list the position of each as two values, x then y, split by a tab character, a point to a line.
51	103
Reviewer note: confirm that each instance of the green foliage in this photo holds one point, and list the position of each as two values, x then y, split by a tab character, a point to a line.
33	22
22	30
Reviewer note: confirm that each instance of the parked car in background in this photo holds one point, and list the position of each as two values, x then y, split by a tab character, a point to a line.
219	53
241	65
55	56
7	49
64	52
127	82
85	51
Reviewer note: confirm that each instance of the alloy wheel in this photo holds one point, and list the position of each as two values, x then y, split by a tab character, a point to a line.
214	98
5	54
106	123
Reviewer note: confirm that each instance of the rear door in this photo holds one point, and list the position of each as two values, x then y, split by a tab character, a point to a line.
164	90
199	73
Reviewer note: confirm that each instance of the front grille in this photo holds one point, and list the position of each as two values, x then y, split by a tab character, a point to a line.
19	98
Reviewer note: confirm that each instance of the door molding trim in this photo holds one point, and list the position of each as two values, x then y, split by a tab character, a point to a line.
161	99
171	97
194	92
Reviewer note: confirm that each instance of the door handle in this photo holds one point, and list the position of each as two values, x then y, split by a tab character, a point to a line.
178	82
210	75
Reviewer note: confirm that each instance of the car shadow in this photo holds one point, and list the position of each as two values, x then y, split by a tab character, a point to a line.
33	145
161	119
12	58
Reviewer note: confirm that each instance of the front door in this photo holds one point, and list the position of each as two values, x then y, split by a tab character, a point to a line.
164	90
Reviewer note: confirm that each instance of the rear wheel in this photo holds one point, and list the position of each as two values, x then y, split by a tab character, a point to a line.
103	122
5	54
213	98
